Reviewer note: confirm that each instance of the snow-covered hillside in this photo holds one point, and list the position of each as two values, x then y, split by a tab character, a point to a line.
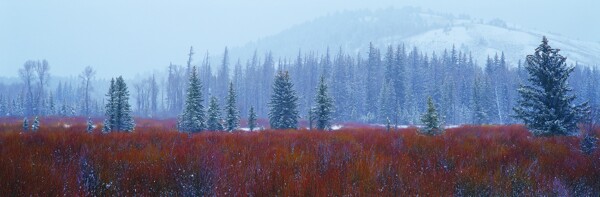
483	40
352	31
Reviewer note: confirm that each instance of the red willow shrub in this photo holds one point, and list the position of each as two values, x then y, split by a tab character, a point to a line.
156	160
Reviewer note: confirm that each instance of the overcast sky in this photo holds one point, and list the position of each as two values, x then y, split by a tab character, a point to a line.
126	37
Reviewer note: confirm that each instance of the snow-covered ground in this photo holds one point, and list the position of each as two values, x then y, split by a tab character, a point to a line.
336	127
398	126
418	126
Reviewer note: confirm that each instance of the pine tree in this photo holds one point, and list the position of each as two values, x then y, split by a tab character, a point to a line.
124	118
387	99
2	106
251	119
479	114
232	115
545	105
35	126
588	143
51	105
214	116
109	110
431	121
118	109
372	82
192	118
106	126
223	76
283	112
63	111
90	125
323	108
25	124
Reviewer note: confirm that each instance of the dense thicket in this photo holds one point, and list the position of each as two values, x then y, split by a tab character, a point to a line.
154	161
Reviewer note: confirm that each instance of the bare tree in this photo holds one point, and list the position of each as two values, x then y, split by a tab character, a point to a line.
153	95
27	74
42	71
175	89
86	84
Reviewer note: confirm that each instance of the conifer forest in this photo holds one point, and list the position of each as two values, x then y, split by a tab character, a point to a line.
361	100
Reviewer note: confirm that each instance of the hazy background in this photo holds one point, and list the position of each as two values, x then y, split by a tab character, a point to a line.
128	37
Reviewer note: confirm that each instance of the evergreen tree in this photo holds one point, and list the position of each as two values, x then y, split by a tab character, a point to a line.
118	109
283	112
387	99
106	126
232	115
192	118
125	119
588	143
25	124
63	111
214	116
372	82
479	114
90	125
323	108
3	107
251	119
109	110
545	105
431	120
51	105
223	76
35	126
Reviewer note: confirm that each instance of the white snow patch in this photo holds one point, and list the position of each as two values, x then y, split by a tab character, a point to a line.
336	127
398	126
452	126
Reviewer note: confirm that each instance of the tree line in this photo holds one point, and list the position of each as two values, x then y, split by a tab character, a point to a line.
368	87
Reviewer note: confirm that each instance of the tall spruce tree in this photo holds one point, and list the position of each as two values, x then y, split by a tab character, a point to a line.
109	109
479	114
373	82
387	98
213	122
193	118
118	109
252	119
124	118
431	120
545	105
283	106
323	108
232	115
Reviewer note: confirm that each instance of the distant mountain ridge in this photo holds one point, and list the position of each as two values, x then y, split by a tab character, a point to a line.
354	30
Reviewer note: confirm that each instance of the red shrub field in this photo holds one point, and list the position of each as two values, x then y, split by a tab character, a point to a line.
157	161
